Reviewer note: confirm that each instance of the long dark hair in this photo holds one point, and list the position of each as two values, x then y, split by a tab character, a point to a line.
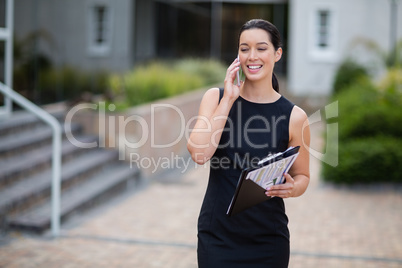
273	34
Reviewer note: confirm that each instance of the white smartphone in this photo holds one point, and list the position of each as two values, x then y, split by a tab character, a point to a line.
238	73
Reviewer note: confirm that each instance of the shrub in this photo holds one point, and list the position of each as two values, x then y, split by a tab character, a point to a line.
68	83
366	112
367	160
348	73
392	82
369	134
158	80
211	71
49	85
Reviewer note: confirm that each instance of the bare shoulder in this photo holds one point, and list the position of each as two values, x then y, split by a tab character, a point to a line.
211	97
212	94
298	116
210	101
299	126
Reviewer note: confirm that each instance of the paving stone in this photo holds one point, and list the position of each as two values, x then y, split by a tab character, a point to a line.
156	227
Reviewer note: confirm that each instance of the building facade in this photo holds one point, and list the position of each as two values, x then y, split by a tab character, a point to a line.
115	35
324	33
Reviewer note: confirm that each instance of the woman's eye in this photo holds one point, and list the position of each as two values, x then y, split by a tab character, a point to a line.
262	49
244	49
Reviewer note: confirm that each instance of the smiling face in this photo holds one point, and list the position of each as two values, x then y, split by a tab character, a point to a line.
257	54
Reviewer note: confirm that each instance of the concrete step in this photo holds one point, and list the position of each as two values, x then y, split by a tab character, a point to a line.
21	121
88	176
20	195
100	186
28	139
23	165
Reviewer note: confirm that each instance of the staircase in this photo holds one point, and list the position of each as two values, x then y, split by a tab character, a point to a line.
89	176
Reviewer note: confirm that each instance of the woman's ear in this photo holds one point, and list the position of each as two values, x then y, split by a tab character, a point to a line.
278	54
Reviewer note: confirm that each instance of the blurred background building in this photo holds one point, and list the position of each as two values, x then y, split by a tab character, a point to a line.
117	35
60	45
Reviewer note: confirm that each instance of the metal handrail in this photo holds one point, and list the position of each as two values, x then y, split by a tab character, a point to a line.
56	154
6	34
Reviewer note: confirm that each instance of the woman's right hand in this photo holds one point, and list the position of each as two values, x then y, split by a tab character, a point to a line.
232	91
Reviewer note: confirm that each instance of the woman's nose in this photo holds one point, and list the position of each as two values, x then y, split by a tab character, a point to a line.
253	54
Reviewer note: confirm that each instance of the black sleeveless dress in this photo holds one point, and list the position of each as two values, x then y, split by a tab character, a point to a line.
258	236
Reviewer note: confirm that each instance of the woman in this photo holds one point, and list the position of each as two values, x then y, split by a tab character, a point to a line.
236	126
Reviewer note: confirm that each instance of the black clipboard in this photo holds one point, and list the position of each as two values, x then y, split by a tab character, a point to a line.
250	193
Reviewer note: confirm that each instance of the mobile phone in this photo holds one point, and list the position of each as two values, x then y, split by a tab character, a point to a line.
238	73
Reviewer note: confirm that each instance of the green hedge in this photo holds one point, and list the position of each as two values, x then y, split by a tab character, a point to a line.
367	160
366	112
370	127
152	82
69	83
38	80
158	80
348	73
49	85
210	71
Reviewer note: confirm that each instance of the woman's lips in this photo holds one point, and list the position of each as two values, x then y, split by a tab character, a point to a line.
254	68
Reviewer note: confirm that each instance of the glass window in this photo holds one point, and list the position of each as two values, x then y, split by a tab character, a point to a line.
323	28
100	24
323	33
99	30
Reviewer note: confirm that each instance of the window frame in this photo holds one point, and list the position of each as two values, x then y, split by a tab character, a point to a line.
94	48
317	52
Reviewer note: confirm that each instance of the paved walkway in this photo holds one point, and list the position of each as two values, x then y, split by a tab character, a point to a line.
156	227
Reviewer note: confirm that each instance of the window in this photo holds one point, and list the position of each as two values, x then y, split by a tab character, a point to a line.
323	33
100	23
323	28
100	29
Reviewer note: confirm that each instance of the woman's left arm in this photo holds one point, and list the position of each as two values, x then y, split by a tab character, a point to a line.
299	174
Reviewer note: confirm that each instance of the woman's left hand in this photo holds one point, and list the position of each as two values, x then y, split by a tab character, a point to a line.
282	190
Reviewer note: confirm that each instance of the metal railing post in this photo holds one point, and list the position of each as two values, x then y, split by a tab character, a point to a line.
6	35
8	68
56	180
56	154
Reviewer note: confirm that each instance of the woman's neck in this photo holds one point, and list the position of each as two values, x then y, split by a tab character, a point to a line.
259	91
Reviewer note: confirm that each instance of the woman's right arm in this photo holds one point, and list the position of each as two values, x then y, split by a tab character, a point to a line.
212	116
